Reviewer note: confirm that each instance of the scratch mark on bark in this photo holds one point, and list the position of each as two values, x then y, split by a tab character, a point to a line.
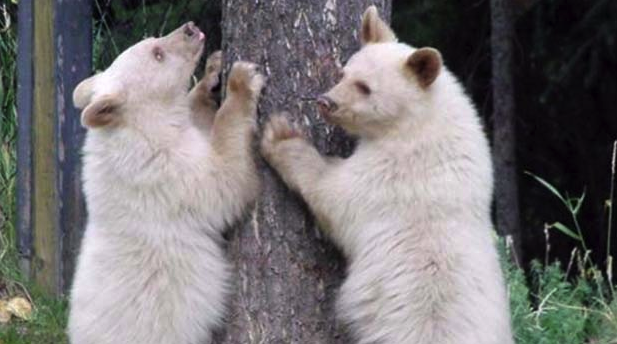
256	225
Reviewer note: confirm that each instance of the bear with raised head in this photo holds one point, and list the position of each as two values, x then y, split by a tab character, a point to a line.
410	208
164	173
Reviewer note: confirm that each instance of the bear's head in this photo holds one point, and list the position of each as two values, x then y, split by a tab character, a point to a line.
384	86
151	75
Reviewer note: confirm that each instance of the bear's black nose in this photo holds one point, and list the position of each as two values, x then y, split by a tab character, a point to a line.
326	104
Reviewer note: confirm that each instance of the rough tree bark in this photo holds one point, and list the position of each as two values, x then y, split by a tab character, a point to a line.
288	273
504	126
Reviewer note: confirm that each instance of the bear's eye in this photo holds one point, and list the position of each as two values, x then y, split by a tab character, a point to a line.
363	88
158	54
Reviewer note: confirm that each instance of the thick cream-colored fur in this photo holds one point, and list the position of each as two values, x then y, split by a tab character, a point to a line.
411	207
160	189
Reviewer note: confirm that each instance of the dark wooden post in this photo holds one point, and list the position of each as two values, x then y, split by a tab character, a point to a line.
507	216
55	53
289	273
24	126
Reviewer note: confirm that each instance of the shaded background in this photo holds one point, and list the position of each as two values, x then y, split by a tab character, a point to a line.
565	80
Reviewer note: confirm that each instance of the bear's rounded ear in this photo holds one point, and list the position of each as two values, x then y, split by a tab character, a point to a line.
82	95
374	29
425	64
103	111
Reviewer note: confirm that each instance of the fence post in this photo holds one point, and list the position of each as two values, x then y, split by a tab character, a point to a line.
54	57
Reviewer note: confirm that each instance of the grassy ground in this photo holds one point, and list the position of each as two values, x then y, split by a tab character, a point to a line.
550	304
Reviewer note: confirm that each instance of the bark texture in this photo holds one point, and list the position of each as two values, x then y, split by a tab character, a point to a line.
504	125
288	272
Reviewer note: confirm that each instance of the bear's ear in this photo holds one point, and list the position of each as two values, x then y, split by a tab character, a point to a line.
83	92
103	111
374	29
425	64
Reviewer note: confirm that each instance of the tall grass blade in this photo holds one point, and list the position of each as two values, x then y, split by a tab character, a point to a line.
579	203
549	187
565	230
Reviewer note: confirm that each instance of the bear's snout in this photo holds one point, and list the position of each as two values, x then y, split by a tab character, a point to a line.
190	30
326	105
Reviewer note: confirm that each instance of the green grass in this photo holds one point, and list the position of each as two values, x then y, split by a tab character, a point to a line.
550	304
554	308
7	146
47	325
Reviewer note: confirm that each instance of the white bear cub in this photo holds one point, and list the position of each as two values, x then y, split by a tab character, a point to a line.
164	173
411	207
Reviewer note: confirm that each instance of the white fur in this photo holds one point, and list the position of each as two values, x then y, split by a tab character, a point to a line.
152	268
412	212
410	208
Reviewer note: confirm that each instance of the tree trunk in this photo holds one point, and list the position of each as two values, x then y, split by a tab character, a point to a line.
288	273
504	126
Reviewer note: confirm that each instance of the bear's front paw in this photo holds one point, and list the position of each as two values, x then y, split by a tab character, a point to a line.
277	130
212	70
245	80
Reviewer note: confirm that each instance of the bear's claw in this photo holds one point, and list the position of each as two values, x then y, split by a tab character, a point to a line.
212	70
278	129
245	79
